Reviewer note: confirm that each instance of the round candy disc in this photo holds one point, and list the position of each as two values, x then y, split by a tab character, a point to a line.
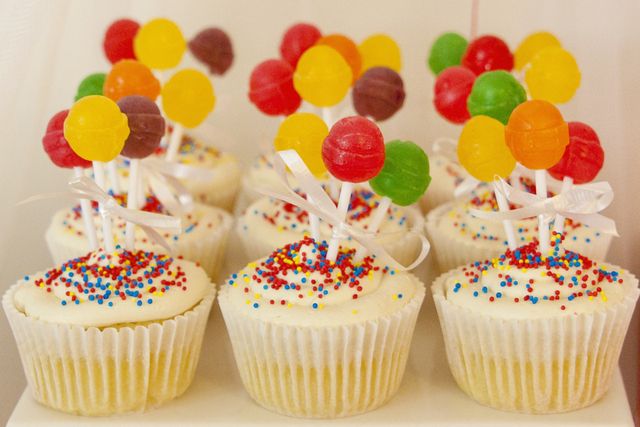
446	52
271	88
188	97
482	150
96	128
322	76
553	75
345	47
531	45
304	132
536	134
129	77
296	40
146	126
57	147
159	44
495	94
212	47
378	93
405	175
380	50
118	40
487	53
91	85
451	90
354	149
583	157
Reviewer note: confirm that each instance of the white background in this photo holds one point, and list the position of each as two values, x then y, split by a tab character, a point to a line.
47	47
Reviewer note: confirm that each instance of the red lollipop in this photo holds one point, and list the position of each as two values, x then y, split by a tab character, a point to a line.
118	40
296	40
57	147
583	158
354	149
487	53
451	91
271	88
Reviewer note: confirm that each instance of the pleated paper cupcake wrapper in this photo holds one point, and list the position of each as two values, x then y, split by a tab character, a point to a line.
322	372
99	372
218	192
534	366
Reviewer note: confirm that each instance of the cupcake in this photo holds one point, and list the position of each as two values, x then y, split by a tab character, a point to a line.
107	334
535	334
203	239
261	174
270	223
446	176
318	339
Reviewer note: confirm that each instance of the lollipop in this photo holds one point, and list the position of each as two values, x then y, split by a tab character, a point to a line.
446	52
380	50
553	75
91	85
212	46
451	91
118	40
129	77
378	93
271	88
322	76
487	53
159	44
296	40
304	132
495	94
345	47
531	45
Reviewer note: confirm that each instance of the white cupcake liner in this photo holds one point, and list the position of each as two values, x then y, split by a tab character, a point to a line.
106	371
221	191
534	365
323	371
434	197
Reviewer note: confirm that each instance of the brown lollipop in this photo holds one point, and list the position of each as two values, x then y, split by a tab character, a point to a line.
212	46
146	126
378	93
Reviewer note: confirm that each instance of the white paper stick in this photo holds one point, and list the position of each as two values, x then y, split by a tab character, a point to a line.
327	116
343	207
107	234
87	215
334	187
543	227
132	202
175	142
112	170
567	183
376	220
503	205
314	222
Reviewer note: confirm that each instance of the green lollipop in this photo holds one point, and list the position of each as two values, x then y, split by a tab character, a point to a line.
495	94
446	51
91	85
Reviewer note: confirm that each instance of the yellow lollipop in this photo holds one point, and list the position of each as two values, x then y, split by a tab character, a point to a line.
553	75
322	76
188	97
380	50
96	129
304	132
159	44
482	149
531	45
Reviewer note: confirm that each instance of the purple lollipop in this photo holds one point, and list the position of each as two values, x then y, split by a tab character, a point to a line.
378	93
146	124
212	46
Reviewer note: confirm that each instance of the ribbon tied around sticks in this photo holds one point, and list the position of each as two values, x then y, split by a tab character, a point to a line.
581	203
163	179
321	205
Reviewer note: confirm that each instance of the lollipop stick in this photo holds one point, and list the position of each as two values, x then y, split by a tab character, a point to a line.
175	142
132	201
503	205
543	227
314	222
343	207
107	235
87	217
112	170
327	116
333	187
376	221
567	183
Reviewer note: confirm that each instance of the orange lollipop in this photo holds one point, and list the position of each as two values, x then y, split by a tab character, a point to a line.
536	134
345	47
129	77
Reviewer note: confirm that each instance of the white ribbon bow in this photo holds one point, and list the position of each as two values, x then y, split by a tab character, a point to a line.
163	179
581	203
324	208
